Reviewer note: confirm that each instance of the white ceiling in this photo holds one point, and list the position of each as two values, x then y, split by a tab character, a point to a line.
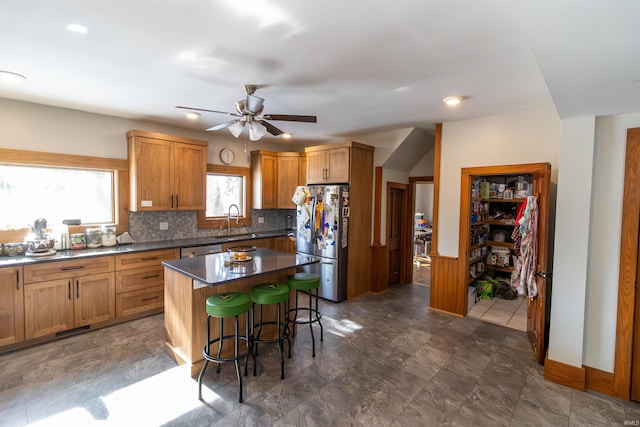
359	66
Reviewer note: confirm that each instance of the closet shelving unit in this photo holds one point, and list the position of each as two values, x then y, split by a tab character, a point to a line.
493	216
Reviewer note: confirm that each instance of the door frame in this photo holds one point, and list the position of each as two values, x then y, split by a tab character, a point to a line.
405	237
539	307
623	356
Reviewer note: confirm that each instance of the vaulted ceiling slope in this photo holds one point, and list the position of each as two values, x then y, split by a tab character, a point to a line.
358	66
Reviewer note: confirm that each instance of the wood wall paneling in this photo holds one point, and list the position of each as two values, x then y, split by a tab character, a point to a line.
444	279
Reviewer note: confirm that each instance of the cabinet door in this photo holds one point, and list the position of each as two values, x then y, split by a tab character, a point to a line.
284	244
94	299
153	175
11	306
316	166
48	307
269	182
287	181
338	165
190	176
302	169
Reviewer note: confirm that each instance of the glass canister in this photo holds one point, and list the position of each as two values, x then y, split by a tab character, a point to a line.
78	241
94	238
108	235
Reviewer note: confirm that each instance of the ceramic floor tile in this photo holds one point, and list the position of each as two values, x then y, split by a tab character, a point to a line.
386	360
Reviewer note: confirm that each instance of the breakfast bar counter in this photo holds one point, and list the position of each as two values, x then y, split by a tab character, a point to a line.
188	282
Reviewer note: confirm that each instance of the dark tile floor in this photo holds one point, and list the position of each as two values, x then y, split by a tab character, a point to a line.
386	360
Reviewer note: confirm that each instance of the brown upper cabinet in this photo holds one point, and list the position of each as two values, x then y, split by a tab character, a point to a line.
274	177
327	165
166	172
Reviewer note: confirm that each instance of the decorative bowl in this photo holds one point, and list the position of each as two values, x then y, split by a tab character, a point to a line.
241	253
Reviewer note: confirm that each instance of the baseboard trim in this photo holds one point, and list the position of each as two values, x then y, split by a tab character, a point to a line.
445	312
599	381
567	375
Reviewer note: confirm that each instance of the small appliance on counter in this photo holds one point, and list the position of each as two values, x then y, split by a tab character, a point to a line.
124	238
38	242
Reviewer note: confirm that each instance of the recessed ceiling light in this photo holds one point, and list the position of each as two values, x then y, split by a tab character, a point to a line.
452	100
11	77
287	135
192	115
77	28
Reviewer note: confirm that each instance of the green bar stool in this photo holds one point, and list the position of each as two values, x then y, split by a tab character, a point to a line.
268	294
306	282
221	306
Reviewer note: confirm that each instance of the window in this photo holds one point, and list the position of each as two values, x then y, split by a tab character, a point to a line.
222	192
226	186
55	193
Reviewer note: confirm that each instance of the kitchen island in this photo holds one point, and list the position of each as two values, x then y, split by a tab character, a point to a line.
188	282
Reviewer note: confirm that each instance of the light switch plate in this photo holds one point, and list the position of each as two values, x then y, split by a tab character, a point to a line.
164	225
260	220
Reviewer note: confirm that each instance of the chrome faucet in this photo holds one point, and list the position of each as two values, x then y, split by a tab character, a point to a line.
229	218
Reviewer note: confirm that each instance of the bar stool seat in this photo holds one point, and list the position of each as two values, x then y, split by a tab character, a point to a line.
307	282
269	294
221	306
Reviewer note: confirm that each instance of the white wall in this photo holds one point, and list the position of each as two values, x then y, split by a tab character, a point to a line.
604	237
530	136
573	208
424	201
36	127
424	166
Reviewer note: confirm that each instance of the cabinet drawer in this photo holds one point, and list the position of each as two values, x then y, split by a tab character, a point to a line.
144	259
67	269
139	278
134	302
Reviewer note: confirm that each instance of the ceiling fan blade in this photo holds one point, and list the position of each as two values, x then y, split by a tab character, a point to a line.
223	125
271	128
209	111
254	104
290	118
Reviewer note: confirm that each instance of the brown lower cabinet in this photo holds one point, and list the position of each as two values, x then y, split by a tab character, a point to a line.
11	306
64	295
46	299
140	281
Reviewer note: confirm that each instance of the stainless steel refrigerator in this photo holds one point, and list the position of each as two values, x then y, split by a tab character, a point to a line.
322	231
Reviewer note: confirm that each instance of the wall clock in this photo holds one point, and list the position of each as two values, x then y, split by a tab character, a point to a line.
227	156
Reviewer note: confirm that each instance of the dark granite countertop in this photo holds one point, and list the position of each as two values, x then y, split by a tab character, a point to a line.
68	254
212	269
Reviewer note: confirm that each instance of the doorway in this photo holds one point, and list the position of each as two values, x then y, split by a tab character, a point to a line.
397	232
422	212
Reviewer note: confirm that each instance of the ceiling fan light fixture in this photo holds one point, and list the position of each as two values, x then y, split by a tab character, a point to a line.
256	131
192	115
452	100
11	77
236	128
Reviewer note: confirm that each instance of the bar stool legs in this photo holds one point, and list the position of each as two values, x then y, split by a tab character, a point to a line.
269	294
306	282
229	304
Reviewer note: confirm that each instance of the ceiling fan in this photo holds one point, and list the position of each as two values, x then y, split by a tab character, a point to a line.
249	112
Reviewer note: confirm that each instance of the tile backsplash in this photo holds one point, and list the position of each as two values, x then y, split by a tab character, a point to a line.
145	226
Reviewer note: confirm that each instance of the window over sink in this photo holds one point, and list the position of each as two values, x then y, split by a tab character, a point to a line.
226	186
